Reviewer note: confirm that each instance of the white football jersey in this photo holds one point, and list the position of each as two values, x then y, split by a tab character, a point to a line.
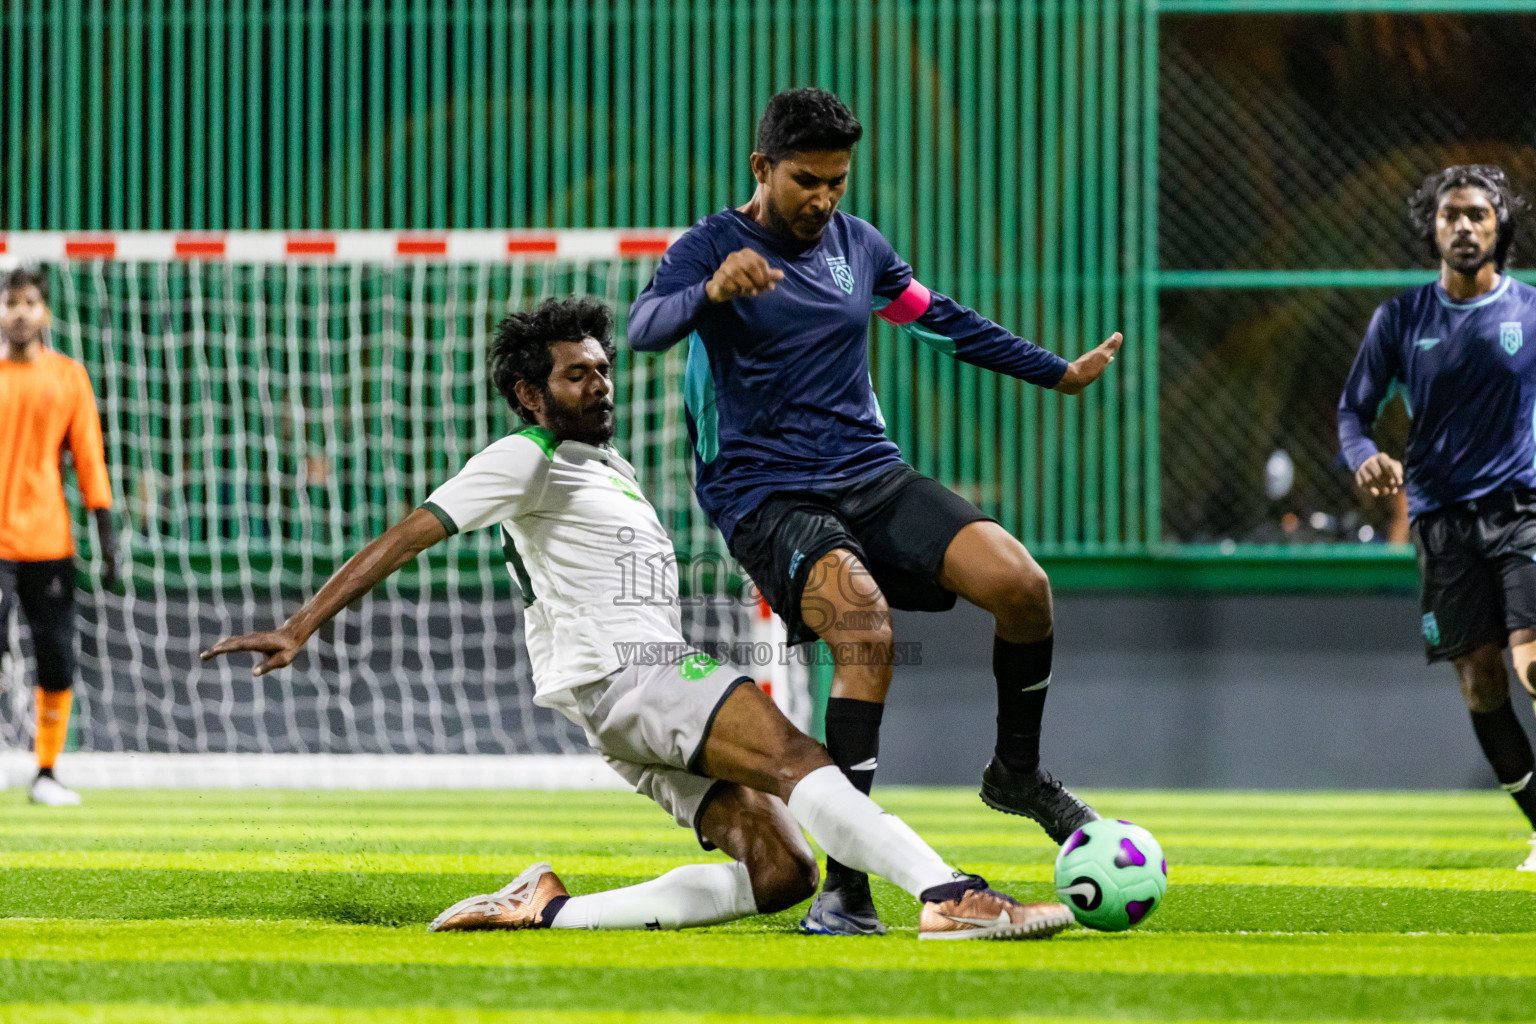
595	567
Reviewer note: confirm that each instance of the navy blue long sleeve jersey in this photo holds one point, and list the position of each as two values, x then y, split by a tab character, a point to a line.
777	387
1469	380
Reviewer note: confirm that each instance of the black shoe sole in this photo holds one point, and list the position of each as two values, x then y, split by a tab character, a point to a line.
877	930
992	802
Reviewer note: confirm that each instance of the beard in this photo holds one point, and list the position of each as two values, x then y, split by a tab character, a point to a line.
1467	261
19	347
22	336
777	222
568	423
781	225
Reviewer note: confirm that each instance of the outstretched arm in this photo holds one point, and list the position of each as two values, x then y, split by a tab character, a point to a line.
363	571
1088	367
942	323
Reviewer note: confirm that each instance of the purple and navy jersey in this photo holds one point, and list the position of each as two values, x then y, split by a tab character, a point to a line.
777	387
1469	381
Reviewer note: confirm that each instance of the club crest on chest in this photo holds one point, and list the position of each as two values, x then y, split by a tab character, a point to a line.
841	272
1511	337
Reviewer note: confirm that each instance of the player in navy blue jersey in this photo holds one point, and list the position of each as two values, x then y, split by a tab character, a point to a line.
1456	349
794	466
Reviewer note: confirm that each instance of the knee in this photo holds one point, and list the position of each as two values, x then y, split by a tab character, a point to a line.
1484	697
1484	683
758	832
1023	593
783	874
1034	589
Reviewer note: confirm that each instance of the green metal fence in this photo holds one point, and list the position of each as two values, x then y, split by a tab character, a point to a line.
1052	163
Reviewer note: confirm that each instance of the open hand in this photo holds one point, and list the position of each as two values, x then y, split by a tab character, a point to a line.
280	646
744	274
1086	368
1380	475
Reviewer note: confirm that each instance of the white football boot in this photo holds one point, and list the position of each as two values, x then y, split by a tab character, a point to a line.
50	792
1530	862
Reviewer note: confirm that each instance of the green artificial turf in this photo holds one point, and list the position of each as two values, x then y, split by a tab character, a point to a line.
163	907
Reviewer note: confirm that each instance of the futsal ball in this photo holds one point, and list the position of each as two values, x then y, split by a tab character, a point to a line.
1112	874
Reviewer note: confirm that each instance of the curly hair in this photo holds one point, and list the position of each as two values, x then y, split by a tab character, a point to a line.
1507	204
20	277
523	340
806	120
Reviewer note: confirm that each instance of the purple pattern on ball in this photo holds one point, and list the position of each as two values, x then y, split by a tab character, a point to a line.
1124	822
1129	856
1165	867
1078	838
1138	909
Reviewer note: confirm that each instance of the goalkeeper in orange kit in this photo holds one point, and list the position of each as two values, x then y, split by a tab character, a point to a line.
46	402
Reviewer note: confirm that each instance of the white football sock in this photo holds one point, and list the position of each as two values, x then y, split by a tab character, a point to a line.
685	897
855	831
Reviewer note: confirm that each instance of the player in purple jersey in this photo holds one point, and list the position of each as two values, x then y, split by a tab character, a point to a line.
1456	349
794	466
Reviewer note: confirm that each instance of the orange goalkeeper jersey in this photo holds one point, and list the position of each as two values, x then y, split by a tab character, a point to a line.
45	404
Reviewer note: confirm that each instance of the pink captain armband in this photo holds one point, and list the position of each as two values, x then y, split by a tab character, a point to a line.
908	306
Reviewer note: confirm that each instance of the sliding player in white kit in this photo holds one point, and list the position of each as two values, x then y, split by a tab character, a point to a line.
692	734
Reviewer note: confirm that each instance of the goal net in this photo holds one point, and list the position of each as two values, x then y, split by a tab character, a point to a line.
270	405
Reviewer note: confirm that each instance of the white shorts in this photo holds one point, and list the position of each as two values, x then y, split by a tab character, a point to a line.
650	723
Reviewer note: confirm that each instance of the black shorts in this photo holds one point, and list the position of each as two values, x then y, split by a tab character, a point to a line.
46	593
898	523
1477	571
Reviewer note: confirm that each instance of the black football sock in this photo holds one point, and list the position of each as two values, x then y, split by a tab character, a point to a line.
1508	750
853	740
1023	674
947	891
551	910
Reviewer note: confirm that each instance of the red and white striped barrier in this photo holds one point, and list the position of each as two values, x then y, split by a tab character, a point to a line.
476	246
